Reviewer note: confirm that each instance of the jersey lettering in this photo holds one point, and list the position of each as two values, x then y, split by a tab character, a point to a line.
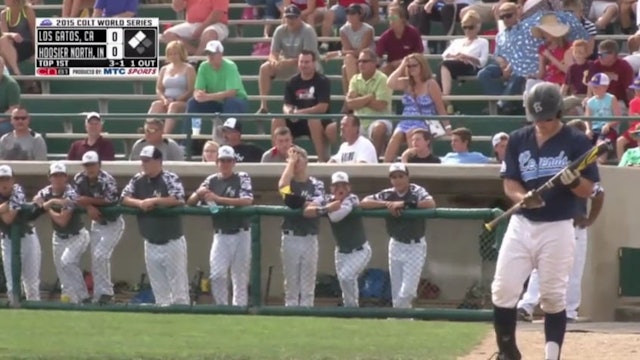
544	167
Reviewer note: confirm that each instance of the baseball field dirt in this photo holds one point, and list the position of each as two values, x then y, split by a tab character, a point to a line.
584	341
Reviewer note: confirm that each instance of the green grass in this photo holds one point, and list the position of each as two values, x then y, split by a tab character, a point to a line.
32	334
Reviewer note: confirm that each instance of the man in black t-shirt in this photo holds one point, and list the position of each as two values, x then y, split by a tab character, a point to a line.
308	92
420	150
232	132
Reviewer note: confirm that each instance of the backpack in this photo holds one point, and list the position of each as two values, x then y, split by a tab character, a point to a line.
376	284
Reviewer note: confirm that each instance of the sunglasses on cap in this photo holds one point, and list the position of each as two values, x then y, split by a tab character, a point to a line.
603	53
505	16
20	118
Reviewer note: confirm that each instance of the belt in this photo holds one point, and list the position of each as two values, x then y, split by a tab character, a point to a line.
229	231
295	233
359	248
66	236
409	241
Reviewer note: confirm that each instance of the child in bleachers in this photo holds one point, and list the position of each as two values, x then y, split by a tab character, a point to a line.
602	104
575	87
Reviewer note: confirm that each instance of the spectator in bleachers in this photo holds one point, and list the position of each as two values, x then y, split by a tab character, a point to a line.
508	75
17	26
602	104
628	9
308	93
460	142
626	140
9	97
369	95
447	12
218	87
210	151
282	142
153	131
603	13
419	151
311	11
244	153
77	8
355	148
288	41
554	58
22	143
206	21
577	8
499	142
117	8
174	85
464	56
355	36
421	97
631	156
338	16
93	142
269	9
575	87
486	10
619	72
400	40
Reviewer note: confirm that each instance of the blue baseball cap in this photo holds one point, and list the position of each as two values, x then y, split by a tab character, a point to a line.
635	85
600	79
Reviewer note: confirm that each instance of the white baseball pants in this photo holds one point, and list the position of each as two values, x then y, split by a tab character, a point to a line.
104	239
31	255
66	258
528	245
405	268
531	297
167	270
299	264
230	252
348	269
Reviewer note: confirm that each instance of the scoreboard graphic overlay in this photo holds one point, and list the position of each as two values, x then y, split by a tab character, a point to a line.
97	47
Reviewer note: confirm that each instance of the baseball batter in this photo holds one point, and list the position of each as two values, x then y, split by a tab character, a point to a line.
70	238
300	233
97	188
541	234
165	248
11	200
407	244
352	253
231	247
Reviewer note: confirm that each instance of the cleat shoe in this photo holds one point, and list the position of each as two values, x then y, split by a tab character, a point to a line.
523	315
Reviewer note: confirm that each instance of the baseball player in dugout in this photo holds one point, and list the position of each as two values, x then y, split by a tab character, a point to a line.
97	188
300	231
70	238
407	244
165	248
541	234
11	200
231	247
531	297
352	252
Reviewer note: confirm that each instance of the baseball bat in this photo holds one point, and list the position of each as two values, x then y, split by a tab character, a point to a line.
268	286
579	164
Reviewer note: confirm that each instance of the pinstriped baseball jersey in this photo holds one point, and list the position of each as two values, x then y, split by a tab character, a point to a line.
348	232
313	191
238	185
157	229
16	199
75	223
104	187
399	228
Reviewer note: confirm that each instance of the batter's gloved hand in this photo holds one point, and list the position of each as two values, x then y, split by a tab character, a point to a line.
532	200
570	178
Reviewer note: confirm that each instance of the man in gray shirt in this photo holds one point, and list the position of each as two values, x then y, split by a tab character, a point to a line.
231	248
407	244
153	132
288	40
283	141
22	143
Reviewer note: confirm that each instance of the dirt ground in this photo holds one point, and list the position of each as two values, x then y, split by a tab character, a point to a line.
583	341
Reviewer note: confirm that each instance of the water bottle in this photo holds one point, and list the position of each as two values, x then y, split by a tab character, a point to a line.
196	125
213	207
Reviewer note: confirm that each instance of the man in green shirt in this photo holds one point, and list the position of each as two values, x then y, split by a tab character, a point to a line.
9	98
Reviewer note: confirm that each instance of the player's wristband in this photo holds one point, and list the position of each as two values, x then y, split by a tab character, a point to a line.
410	204
322	210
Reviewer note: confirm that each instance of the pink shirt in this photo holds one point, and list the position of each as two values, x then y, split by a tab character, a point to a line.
199	10
396	49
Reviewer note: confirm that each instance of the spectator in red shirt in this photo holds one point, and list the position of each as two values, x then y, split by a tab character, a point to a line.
626	141
575	85
94	141
618	70
400	40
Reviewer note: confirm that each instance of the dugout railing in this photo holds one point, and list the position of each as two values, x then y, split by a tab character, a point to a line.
486	242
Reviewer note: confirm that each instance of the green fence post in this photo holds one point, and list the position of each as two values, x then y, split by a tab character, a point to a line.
16	262
256	263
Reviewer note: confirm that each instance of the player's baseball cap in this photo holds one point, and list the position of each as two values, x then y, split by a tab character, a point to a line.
93	115
339	177
214	47
395	167
544	102
635	85
292	11
495	140
90	157
600	79
232	124
57	168
5	171
226	152
151	152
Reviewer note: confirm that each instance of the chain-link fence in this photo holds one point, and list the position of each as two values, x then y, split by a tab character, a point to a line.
451	267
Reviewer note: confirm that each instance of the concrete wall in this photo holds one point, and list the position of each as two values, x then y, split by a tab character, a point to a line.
453	260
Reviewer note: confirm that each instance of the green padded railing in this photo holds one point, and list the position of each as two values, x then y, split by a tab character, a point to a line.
256	306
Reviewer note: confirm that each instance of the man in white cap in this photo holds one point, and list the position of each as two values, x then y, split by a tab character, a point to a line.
93	142
11	200
352	253
232	132
407	243
97	188
499	143
70	238
231	247
22	143
165	248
